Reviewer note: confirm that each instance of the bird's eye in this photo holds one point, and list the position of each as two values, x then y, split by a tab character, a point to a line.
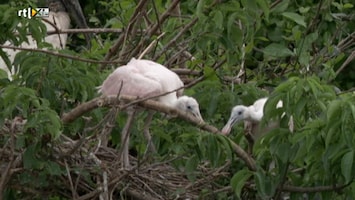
189	107
240	112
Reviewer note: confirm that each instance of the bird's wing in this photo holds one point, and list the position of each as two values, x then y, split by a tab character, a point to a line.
168	79
259	105
134	84
256	111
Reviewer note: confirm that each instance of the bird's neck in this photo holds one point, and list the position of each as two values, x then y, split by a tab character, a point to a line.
170	100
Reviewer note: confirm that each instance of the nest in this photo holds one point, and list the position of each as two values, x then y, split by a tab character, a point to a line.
93	171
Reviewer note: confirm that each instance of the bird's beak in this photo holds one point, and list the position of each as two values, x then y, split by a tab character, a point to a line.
228	127
75	11
197	114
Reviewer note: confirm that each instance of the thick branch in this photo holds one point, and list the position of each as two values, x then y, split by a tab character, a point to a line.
86	30
149	104
153	105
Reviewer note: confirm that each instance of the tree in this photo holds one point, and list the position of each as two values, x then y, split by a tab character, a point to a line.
228	53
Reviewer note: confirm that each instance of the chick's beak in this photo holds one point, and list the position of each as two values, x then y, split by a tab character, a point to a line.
228	127
197	114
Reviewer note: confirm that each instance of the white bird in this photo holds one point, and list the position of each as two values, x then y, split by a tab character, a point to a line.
144	79
252	115
58	19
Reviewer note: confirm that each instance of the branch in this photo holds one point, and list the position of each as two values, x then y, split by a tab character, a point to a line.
148	104
290	188
177	71
58	54
86	30
347	61
178	35
6	174
298	189
153	105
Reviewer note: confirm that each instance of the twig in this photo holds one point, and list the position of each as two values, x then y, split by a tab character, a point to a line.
113	50
73	191
208	176
105	186
315	19
151	45
86	30
173	41
59	54
5	177
151	30
54	25
346	42
347	61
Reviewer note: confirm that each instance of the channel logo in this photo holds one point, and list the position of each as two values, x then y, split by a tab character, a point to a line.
33	12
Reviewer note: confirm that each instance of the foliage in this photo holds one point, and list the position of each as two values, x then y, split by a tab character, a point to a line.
237	52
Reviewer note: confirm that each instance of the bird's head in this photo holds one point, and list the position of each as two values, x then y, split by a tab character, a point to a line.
239	113
189	105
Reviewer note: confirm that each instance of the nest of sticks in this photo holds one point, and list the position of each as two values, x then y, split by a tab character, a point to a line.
91	171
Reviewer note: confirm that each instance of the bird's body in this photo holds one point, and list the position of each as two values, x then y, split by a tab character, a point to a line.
145	79
58	19
252	115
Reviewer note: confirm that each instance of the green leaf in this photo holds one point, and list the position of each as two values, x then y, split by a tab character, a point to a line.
348	5
277	50
213	149
53	168
29	158
37	30
347	166
333	111
286	86
260	181
6	59
210	73
238	180
218	19
199	9
265	7
283	152
281	7
295	17
226	145
3	74
234	32
190	167
304	9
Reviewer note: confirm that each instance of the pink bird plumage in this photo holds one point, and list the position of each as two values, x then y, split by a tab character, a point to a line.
145	78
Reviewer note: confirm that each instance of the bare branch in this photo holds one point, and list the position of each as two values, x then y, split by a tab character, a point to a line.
347	61
59	54
173	41
86	30
114	49
290	188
